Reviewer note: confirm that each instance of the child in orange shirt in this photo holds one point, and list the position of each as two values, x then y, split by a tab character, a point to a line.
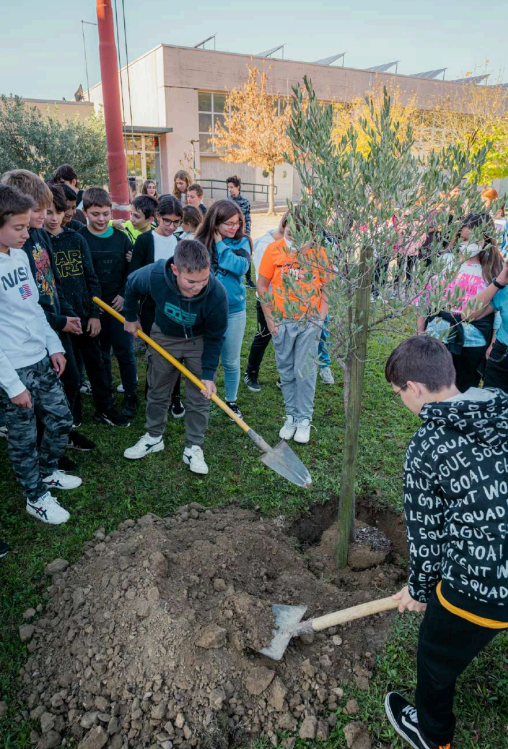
296	337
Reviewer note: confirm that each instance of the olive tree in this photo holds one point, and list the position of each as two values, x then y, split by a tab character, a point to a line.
372	210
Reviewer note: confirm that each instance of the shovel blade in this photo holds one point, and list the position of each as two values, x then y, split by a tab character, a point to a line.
283	461
286	619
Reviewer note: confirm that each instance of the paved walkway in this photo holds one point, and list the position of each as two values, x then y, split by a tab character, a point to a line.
261	223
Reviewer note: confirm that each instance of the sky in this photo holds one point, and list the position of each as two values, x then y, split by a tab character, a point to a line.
42	56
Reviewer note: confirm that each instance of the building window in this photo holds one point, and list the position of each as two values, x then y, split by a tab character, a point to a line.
210	111
143	157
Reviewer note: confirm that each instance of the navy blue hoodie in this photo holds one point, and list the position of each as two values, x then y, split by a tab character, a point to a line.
456	503
180	316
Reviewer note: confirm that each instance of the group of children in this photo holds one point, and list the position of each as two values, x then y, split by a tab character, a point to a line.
181	280
177	272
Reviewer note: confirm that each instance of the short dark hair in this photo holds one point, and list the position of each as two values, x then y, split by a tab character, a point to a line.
13	203
196	188
80	216
236	181
191	256
192	215
29	184
69	193
145	204
169	205
59	199
96	196
65	172
421	359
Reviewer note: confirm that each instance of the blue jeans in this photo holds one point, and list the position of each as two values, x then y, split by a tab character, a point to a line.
323	353
231	350
113	336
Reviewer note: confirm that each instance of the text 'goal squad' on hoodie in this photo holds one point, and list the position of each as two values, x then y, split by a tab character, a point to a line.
456	502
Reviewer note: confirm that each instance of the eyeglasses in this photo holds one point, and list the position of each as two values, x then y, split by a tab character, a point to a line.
399	391
170	222
231	225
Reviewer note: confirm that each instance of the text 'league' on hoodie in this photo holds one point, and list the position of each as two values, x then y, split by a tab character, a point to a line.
456	504
205	314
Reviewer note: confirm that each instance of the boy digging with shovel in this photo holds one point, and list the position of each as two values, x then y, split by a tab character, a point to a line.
191	317
455	489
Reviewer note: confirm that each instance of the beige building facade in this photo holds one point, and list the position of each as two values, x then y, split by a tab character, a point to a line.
176	96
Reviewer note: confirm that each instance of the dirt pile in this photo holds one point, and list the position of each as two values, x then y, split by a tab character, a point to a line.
149	639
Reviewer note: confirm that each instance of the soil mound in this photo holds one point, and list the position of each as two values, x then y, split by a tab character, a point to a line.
150	638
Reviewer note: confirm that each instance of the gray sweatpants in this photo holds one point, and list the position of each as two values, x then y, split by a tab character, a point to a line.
296	347
161	378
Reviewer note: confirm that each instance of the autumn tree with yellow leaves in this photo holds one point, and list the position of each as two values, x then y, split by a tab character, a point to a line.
254	131
472	116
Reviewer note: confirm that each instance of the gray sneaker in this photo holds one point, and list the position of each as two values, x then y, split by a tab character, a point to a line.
326	375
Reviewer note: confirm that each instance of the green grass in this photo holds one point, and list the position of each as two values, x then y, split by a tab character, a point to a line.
115	489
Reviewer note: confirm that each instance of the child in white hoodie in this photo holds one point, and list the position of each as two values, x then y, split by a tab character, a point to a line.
31	362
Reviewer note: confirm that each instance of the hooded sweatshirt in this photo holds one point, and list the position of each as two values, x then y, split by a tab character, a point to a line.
52	299
456	504
77	274
25	334
230	262
179	316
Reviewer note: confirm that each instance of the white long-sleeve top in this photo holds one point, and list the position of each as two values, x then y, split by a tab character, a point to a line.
25	334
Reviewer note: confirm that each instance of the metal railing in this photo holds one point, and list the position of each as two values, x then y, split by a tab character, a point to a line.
217	188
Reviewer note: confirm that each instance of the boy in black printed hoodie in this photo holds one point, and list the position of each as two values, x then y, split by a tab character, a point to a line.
80	284
456	506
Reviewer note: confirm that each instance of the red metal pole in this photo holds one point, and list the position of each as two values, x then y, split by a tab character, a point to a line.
117	164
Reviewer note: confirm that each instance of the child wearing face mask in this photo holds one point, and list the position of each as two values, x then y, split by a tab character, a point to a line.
469	342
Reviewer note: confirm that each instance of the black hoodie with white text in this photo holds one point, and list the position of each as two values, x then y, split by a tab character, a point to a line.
456	503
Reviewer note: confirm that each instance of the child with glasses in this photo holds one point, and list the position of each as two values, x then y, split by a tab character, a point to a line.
223	234
159	244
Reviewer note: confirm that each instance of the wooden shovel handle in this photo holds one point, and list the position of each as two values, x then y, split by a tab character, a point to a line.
195	380
355	612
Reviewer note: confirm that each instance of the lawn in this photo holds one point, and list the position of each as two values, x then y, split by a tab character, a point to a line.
115	489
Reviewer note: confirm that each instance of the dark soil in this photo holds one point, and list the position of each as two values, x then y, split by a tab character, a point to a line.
150	639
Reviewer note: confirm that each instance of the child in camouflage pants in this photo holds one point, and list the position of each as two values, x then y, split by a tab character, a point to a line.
31	362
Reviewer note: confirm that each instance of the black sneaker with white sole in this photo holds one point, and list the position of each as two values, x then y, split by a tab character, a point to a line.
112	417
404	719
78	441
177	408
4	549
251	380
234	407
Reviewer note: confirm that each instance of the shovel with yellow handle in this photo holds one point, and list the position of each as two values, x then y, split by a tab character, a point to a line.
280	459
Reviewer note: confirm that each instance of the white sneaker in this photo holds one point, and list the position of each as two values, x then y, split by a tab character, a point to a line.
302	433
47	510
194	458
120	388
326	375
288	429
62	480
144	446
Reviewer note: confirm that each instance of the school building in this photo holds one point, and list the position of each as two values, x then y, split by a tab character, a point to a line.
174	96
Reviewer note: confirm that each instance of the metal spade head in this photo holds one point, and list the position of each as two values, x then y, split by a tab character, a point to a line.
286	619
283	461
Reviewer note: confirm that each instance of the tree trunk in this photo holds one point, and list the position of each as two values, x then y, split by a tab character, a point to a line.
271	193
354	400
